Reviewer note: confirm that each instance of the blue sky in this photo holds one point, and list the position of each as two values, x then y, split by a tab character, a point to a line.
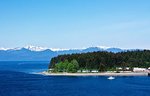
75	23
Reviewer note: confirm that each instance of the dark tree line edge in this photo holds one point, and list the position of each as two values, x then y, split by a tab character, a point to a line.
101	61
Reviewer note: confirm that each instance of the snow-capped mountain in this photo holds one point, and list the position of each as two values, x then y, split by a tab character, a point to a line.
35	48
38	48
4	48
36	53
30	47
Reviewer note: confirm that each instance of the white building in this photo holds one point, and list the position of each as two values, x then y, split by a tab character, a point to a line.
136	69
85	71
119	68
94	71
127	68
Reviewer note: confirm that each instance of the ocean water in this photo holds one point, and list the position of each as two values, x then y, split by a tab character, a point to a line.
19	79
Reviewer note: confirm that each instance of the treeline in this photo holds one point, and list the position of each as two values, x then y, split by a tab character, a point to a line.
106	60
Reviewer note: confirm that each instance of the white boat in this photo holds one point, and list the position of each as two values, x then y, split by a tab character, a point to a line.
111	78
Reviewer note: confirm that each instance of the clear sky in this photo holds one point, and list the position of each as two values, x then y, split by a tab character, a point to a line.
75	23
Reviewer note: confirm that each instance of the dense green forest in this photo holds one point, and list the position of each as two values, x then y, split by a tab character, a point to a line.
103	60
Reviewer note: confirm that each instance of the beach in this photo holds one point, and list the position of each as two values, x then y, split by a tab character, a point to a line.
97	74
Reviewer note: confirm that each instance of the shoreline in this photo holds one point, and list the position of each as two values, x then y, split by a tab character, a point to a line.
96	74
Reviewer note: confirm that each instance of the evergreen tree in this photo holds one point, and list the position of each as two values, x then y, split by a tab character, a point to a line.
101	60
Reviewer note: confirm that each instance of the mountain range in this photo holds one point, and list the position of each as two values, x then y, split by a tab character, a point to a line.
33	53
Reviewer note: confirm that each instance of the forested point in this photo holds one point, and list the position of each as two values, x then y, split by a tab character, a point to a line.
100	61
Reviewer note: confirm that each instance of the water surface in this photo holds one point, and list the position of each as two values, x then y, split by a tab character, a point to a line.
16	79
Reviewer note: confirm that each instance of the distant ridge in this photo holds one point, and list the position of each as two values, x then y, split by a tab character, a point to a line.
36	53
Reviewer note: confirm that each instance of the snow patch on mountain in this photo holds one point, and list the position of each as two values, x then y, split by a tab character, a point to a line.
35	48
1	48
103	47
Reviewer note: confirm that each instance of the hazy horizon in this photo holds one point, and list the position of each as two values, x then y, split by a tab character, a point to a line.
75	23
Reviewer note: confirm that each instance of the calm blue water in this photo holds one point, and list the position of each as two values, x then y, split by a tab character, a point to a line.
16	79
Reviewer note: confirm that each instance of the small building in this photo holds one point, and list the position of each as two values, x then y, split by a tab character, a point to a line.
127	68
136	69
85	71
94	71
119	68
79	71
123	69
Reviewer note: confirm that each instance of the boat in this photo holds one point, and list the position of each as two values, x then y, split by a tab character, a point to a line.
111	78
